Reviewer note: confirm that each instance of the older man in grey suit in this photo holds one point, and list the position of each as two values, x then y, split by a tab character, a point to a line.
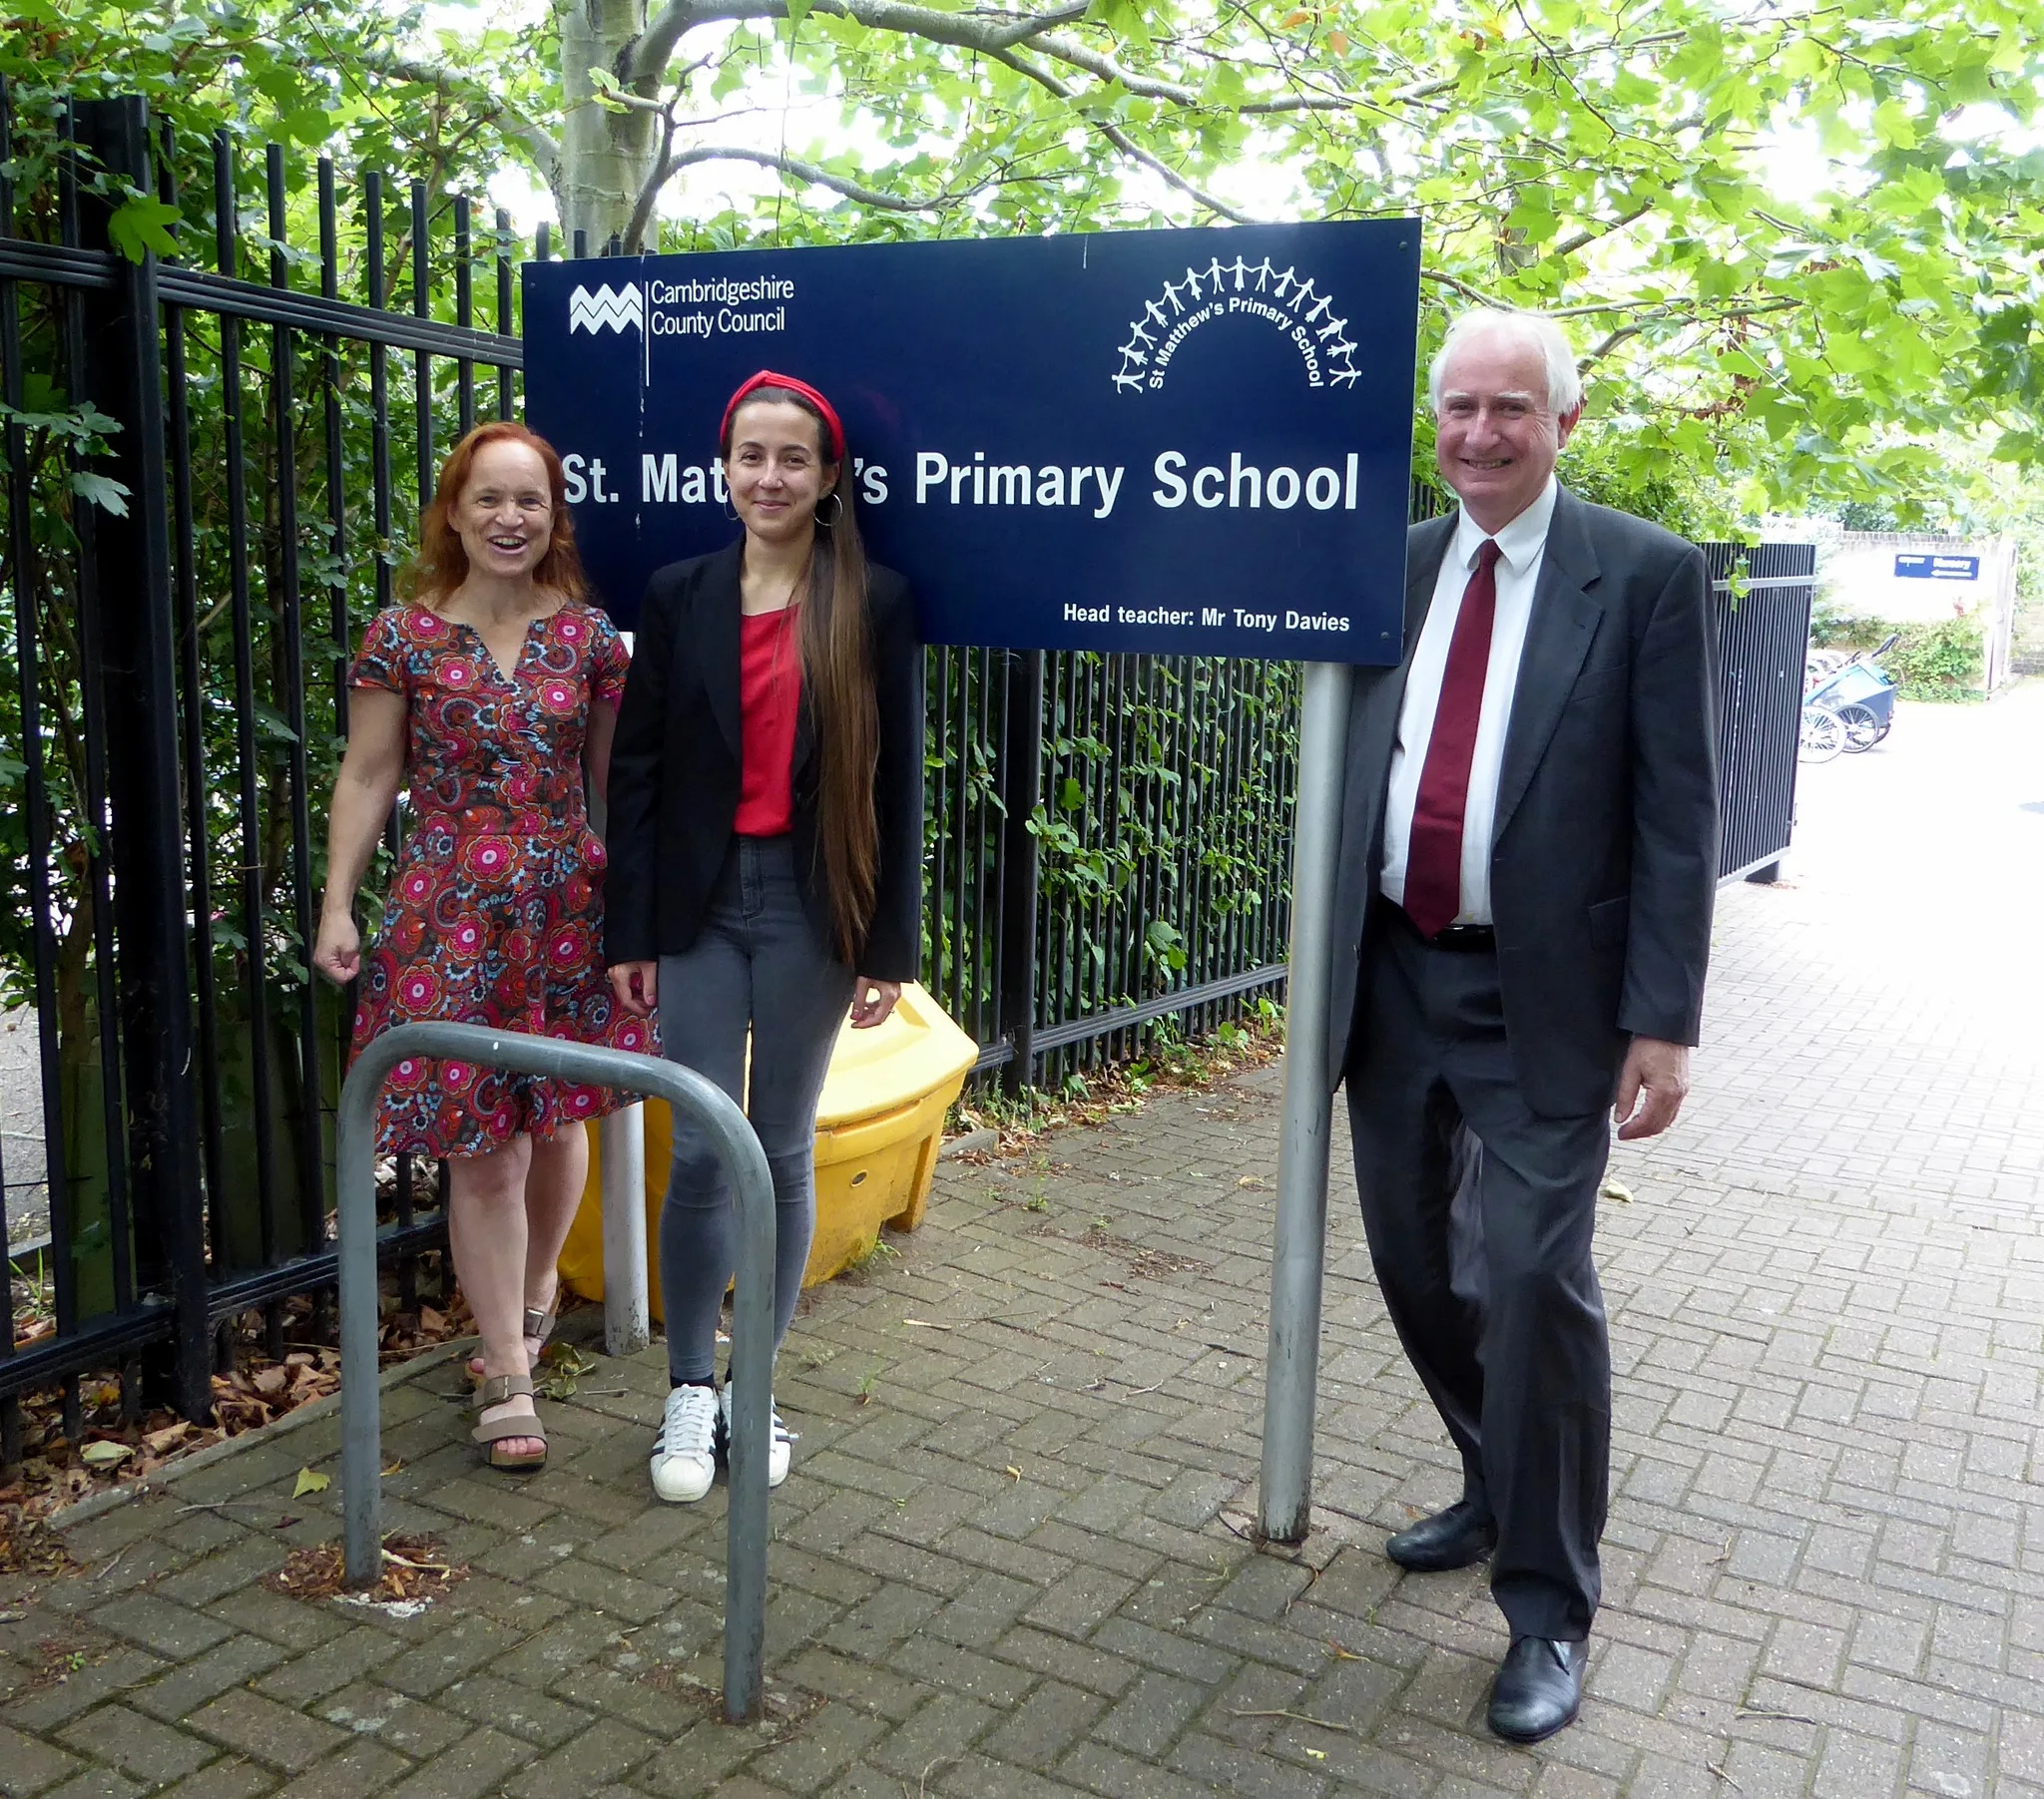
1529	854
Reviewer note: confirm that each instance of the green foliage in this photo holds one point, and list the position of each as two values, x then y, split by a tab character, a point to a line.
1751	341
1937	661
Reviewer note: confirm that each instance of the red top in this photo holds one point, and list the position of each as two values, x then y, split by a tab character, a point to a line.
769	691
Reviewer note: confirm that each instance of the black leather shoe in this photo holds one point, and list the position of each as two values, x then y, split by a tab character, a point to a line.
1463	1534
1539	1688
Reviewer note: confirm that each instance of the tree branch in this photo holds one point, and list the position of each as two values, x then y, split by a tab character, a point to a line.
801	170
988	33
1569	246
483	102
1126	145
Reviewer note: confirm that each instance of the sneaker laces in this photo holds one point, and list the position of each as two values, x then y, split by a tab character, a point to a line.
688	1426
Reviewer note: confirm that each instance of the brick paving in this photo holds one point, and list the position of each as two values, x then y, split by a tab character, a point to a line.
1013	1560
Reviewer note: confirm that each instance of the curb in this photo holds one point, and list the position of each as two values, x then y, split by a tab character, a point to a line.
94	1504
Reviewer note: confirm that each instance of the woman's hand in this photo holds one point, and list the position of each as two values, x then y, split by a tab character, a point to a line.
872	1001
637	985
338	950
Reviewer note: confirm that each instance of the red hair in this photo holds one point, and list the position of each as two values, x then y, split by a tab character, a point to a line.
441	564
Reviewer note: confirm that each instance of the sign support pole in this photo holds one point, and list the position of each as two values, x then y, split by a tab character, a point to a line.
1298	1255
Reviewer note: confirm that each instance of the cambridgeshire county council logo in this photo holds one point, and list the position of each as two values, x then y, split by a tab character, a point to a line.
1286	302
607	309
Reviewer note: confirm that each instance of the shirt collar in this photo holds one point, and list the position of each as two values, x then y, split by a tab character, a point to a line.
1519	544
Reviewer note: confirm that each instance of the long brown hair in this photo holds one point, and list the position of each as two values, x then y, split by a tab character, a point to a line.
838	666
441	564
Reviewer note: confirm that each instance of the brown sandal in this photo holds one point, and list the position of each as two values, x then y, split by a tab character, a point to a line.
539	1329
496	1391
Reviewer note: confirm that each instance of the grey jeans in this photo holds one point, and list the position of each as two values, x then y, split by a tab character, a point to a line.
759	963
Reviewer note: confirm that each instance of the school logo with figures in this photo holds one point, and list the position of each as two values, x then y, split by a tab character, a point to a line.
607	309
1282	299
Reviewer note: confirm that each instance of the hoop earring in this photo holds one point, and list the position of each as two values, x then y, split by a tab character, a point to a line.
730	512
837	512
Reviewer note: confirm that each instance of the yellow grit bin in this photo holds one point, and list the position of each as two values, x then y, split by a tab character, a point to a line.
879	1128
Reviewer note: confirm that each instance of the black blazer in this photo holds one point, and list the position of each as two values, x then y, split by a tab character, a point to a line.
1604	857
674	777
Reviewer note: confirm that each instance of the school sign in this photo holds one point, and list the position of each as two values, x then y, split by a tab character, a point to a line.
1189	441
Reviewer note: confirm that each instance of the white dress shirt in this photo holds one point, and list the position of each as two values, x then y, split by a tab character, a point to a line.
1521	545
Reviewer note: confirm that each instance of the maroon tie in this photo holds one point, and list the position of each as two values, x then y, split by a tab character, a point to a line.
1434	861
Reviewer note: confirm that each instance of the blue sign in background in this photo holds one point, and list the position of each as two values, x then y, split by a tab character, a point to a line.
1917	566
1165	441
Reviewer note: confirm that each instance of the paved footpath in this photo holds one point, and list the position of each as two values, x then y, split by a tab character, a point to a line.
1013	1560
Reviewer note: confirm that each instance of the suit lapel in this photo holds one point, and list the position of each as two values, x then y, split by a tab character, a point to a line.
718	605
1422	571
1565	618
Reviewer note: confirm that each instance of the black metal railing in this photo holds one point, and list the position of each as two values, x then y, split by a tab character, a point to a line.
202	509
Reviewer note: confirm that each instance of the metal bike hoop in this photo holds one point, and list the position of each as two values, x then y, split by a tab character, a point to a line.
730	1137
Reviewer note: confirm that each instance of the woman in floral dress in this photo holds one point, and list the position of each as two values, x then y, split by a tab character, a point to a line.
490	698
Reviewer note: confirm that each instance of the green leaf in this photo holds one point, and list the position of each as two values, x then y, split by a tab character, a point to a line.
101	491
141	225
308	1481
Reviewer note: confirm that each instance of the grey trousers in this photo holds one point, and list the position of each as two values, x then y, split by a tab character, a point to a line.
759	963
1479	1217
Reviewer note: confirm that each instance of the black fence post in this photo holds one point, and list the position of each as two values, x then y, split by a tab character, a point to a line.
1021	786
145	826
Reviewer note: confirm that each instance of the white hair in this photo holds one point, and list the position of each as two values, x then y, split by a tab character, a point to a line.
1529	329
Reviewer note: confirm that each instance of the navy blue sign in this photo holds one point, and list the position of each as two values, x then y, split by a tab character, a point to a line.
1936	568
1166	441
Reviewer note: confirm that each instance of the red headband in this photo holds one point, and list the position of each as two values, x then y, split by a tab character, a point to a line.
767	379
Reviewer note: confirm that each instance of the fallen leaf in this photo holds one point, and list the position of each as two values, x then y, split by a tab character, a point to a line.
1614	1189
272	1381
158	1441
103	1453
1014	1472
308	1481
1256	1181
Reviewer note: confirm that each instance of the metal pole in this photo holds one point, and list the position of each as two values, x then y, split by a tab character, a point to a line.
1291	1374
626	1320
730	1137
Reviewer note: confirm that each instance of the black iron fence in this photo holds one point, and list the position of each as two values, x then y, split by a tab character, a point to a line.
212	471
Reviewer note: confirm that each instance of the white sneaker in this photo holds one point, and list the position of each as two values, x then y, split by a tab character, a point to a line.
780	1437
685	1452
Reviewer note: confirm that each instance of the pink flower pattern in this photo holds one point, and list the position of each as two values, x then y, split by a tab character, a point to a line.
495	914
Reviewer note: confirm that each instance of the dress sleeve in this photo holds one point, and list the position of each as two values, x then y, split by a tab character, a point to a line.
609	662
381	662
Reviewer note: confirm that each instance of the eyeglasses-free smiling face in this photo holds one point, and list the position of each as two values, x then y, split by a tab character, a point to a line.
1497	437
505	516
776	472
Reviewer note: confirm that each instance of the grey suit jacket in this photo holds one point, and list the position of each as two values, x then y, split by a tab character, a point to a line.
1604	856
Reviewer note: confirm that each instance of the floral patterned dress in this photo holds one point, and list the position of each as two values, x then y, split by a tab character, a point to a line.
495	914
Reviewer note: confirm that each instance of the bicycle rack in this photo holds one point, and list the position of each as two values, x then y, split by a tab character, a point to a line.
361	1424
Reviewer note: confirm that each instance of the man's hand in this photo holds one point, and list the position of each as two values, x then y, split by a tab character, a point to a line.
1651	1088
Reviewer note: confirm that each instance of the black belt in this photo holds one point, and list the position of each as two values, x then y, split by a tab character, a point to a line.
1460	937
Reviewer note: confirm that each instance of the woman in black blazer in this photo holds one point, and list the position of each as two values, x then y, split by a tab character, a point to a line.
765	855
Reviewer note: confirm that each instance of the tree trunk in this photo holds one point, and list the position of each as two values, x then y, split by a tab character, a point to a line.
606	155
